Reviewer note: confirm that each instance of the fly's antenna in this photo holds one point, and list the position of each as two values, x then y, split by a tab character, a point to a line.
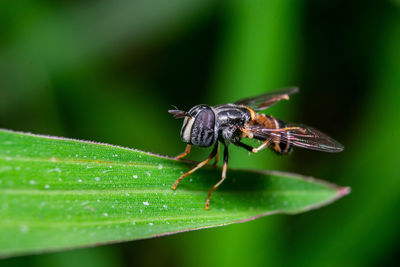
178	114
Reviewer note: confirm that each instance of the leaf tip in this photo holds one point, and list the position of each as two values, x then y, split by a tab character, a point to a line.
342	191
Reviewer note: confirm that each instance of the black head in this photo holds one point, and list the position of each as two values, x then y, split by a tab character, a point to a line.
199	125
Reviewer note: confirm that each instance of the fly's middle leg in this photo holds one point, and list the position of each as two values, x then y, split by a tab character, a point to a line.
224	169
216	158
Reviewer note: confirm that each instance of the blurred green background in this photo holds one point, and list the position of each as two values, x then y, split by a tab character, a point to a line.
108	71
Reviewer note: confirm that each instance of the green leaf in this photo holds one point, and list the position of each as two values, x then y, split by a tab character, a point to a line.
60	193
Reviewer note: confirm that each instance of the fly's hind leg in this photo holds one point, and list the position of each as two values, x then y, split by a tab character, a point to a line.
245	146
262	146
224	168
254	149
201	164
185	153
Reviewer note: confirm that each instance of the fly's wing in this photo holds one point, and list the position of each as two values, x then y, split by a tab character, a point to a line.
300	136
264	101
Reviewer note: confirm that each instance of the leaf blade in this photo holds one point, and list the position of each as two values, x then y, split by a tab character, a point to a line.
61	193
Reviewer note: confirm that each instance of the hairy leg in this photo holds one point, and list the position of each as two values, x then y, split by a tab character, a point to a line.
224	169
201	164
185	153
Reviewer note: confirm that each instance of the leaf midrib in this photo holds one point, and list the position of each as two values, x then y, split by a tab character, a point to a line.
123	191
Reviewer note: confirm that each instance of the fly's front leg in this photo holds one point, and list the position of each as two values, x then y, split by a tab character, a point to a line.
201	164
224	169
185	153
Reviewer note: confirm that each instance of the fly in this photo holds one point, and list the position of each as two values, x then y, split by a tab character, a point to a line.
206	126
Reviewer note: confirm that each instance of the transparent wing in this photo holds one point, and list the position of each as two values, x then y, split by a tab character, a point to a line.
300	136
266	100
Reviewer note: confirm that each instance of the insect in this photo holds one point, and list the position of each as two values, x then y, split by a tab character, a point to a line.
206	126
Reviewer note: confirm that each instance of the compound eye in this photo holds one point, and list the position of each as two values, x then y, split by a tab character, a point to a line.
203	128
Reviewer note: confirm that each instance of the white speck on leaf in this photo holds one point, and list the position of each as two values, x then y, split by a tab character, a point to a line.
79	180
24	229
148	174
32	182
56	169
105	214
97	178
165	206
151	224
134	176
146	203
46	186
160	167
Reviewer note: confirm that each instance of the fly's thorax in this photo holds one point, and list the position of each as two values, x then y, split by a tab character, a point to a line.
232	115
199	127
230	119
